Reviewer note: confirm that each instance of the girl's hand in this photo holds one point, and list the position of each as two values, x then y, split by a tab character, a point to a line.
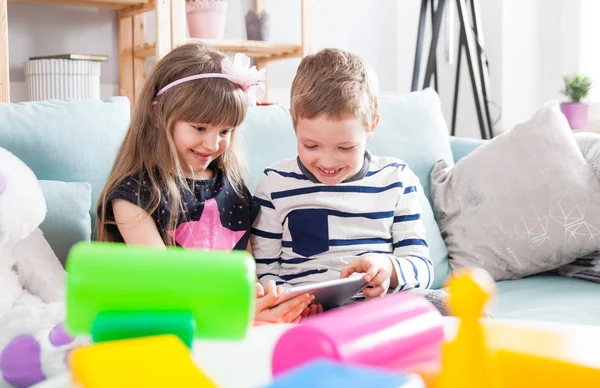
378	270
287	312
312	310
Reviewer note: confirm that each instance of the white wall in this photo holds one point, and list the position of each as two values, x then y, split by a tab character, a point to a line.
520	60
370	31
590	53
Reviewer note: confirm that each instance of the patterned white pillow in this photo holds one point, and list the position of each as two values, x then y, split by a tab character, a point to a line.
523	203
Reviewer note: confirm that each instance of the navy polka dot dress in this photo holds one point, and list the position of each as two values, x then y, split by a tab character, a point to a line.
213	217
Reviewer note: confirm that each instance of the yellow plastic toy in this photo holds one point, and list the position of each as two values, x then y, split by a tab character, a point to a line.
534	357
149	362
466	361
504	354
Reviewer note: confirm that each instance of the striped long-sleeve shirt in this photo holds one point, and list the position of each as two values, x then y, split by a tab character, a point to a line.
306	232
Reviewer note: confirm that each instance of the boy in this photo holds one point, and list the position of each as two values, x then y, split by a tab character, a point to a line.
336	209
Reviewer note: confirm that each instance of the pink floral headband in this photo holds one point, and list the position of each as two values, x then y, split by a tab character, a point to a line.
249	79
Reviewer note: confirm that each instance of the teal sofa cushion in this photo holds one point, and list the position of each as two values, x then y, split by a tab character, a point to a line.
462	147
67	219
68	141
412	128
549	297
268	136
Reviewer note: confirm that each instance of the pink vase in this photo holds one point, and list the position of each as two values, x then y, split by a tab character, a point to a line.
576	114
206	18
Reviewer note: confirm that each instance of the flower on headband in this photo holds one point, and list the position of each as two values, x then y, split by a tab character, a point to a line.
249	79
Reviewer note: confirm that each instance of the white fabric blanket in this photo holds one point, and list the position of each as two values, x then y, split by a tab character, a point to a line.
33	342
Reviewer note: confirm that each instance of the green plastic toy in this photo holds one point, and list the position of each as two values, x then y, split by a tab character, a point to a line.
111	285
110	326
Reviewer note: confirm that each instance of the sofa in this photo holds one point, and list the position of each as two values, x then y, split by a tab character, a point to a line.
70	145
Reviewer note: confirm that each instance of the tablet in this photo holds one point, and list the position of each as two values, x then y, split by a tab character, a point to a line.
329	294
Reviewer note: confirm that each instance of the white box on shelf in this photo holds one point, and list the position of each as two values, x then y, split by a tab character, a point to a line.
62	79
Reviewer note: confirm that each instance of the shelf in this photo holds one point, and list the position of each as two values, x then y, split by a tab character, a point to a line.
252	48
256	48
146	50
114	4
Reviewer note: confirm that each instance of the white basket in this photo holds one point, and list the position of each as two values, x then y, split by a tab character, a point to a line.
62	79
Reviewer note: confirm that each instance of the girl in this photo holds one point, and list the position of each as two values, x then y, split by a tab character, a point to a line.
178	176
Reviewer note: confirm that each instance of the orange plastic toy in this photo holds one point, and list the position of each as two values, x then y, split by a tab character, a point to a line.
149	362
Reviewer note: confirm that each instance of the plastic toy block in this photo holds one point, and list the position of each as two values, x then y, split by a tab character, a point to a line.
218	288
151	362
326	374
110	326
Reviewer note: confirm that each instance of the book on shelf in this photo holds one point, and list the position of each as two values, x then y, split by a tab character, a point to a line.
76	57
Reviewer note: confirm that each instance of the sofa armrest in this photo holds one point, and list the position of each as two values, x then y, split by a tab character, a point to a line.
462	146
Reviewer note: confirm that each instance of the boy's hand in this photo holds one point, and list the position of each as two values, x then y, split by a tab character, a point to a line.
287	312
378	270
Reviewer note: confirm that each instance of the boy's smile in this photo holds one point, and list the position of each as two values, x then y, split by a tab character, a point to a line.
330	173
332	150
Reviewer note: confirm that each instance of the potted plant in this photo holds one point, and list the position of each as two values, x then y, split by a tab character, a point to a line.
206	18
577	87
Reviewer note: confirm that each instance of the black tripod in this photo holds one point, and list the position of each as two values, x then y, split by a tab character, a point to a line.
469	41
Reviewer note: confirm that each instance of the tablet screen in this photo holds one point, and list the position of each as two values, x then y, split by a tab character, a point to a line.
330	294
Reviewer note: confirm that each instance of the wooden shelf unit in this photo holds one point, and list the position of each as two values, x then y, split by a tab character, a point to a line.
170	33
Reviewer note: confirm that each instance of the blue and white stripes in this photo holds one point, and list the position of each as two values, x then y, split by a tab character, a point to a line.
307	232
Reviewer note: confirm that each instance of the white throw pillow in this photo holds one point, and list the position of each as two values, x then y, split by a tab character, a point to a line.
523	203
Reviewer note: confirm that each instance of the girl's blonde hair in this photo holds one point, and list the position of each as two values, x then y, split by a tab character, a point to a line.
148	147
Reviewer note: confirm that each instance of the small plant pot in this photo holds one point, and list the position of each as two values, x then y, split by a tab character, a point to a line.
206	18
577	114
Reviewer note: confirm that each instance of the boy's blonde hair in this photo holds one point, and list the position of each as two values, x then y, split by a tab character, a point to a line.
148	146
336	83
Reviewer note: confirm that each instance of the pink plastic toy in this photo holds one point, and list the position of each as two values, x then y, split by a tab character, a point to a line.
401	332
